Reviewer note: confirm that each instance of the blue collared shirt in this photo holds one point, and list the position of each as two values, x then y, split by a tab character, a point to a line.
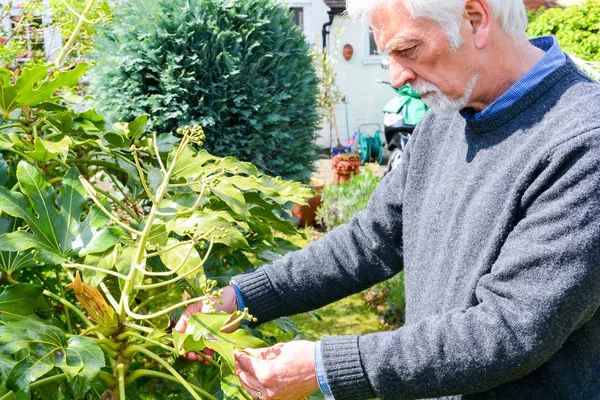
552	60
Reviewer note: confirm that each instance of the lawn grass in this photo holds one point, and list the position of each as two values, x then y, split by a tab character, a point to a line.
349	316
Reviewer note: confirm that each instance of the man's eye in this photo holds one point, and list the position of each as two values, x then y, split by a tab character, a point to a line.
407	52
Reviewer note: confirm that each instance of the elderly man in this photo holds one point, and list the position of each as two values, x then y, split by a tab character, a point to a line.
494	216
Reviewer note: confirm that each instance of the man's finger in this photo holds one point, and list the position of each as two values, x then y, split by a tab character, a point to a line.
249	382
182	323
245	361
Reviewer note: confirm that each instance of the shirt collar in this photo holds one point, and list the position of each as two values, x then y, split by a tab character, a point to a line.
552	60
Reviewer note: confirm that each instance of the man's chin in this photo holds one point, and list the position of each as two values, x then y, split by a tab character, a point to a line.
445	108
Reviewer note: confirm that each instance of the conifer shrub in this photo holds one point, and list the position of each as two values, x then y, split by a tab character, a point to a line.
240	69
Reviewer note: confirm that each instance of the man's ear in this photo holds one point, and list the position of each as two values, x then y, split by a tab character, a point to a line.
478	13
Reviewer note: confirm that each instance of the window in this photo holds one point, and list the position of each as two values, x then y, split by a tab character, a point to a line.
301	12
298	15
372	55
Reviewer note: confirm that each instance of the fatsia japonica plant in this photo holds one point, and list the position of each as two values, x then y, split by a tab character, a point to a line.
106	233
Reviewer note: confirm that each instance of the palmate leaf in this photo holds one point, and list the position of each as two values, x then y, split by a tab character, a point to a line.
37	348
55	234
21	301
34	86
13	261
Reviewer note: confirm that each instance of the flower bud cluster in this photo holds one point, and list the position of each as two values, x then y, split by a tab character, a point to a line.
195	134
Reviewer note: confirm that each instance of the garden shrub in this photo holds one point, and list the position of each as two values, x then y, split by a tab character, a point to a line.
340	202
576	28
240	69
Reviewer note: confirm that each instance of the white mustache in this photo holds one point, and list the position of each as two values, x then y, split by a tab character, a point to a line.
425	87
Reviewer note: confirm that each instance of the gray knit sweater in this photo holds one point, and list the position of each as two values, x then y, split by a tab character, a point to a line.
497	226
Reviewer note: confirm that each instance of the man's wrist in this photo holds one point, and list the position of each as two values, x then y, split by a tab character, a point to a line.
238	296
320	370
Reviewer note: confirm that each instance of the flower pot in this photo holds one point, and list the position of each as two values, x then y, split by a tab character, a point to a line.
307	214
344	169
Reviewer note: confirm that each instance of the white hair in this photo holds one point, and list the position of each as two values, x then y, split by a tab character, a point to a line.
448	14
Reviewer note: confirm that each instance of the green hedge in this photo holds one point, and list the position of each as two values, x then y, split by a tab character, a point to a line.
239	68
577	28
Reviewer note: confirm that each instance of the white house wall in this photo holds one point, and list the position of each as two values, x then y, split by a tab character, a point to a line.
356	78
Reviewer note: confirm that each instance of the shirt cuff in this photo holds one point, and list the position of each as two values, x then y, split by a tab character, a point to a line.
321	376
238	296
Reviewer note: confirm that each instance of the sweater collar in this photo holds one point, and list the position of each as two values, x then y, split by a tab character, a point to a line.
526	101
553	58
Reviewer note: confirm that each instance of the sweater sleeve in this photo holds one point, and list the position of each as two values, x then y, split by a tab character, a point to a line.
543	286
349	259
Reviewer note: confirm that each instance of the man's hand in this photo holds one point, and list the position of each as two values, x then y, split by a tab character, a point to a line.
227	303
285	371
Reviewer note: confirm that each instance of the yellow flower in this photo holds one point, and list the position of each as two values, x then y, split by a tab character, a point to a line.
91	299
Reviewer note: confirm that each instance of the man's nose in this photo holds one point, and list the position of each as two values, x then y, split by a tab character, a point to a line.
400	75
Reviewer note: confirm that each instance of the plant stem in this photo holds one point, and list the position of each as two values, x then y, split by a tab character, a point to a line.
117	201
11	280
62	294
90	329
65	50
97	269
138	327
151	298
121	375
141	174
35	384
146	339
182	276
167	310
97	163
107	378
166	250
155	144
69	305
139	373
233	323
139	349
139	258
90	191
187	211
109	296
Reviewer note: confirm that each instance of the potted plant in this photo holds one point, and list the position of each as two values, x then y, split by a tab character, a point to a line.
307	213
344	166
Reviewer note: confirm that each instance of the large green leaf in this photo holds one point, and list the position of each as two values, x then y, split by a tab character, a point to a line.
13	261
232	196
204	331
55	234
46	150
34	86
3	171
22	300
38	348
201	223
183	258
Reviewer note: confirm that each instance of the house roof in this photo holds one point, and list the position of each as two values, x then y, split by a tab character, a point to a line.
535	4
336	4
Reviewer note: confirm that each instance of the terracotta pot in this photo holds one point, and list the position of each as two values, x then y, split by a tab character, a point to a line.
307	214
344	169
